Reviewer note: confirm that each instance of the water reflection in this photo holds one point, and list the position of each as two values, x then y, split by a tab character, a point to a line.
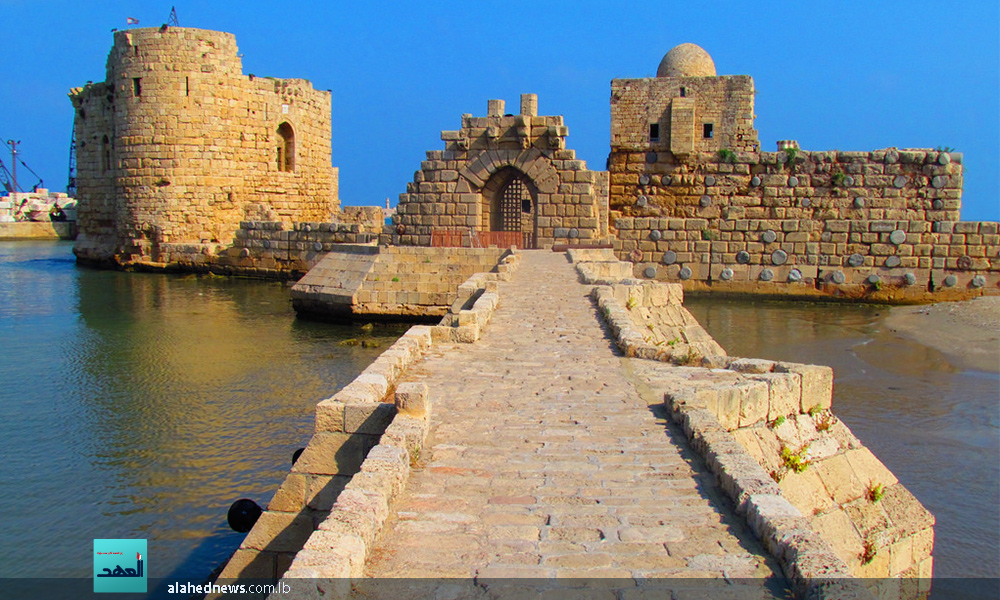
937	427
139	405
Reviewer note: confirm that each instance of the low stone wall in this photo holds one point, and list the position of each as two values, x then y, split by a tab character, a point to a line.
38	230
260	249
649	321
820	501
357	459
370	218
392	281
880	225
477	299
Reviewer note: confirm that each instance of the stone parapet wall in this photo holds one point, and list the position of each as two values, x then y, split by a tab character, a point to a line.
264	249
38	230
820	501
370	218
329	509
477	299
881	225
648	321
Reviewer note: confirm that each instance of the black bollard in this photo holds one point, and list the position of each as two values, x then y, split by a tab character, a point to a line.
243	514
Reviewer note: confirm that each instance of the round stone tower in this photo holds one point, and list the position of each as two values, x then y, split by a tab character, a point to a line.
177	147
175	96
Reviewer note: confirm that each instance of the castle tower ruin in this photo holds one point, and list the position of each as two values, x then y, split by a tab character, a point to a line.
177	146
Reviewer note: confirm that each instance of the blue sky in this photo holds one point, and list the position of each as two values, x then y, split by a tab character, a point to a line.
832	75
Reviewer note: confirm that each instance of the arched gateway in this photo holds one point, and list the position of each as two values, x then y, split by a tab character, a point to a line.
510	207
504	180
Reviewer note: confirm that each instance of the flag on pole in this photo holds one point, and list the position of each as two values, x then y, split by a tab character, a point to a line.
132	21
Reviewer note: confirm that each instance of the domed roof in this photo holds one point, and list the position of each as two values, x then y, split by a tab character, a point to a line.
686	60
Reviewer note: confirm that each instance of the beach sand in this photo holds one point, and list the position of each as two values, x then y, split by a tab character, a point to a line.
967	332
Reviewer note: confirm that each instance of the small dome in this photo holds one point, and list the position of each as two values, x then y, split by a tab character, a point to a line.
686	60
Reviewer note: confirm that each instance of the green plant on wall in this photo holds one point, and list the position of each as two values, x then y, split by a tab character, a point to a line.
875	492
944	149
795	461
868	553
791	153
727	156
707	235
838	178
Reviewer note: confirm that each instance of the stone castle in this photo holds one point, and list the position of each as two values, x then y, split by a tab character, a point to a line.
186	163
178	146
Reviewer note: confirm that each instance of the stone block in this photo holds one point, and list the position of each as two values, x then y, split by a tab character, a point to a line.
279	532
411	398
291	495
805	490
331	454
839	479
900	556
838	530
330	416
869	469
322	490
368	418
784	393
750	365
753	402
817	384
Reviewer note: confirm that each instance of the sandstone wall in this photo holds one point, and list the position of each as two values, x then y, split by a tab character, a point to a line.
389	281
455	187
178	146
882	225
680	107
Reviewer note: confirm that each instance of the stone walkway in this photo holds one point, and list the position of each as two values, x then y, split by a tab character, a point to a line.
548	460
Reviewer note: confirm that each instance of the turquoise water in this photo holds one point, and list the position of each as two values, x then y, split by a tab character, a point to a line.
142	405
936	426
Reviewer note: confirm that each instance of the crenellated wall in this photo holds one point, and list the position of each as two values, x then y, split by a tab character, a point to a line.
177	146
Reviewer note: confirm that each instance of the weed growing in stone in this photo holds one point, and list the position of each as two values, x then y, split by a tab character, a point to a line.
791	153
826	420
838	178
815	410
778	421
869	552
631	303
795	461
727	156
395	279
875	492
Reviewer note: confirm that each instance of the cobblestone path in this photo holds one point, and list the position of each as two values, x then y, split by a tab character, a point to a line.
546	459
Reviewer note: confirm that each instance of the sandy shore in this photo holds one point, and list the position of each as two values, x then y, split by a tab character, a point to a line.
967	332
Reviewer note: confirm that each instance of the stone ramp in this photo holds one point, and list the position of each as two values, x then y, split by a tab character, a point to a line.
547	459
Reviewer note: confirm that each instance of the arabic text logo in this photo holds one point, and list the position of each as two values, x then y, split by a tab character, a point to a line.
119	566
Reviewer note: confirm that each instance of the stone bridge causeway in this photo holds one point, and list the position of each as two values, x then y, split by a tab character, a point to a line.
548	460
550	457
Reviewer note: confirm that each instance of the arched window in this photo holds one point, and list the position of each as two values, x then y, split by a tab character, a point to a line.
286	147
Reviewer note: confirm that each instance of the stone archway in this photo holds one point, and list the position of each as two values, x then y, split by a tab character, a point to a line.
510	206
